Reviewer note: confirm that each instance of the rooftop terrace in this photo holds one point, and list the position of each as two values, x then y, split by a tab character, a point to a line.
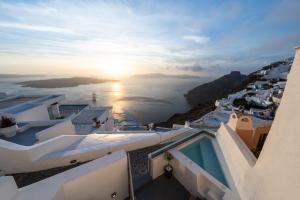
87	116
21	108
17	104
6	103
27	137
139	165
67	110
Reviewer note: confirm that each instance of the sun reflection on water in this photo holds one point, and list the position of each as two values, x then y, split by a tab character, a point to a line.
117	92
117	89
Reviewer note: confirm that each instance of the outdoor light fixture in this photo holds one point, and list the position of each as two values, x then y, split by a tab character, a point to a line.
113	195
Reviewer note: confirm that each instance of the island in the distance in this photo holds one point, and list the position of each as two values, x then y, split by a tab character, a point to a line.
63	82
160	75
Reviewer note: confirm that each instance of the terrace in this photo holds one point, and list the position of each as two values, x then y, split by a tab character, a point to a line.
87	116
143	128
10	102
17	105
144	187
26	137
186	170
134	128
157	188
163	188
67	110
85	121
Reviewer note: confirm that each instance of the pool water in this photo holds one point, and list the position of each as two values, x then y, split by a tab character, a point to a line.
203	153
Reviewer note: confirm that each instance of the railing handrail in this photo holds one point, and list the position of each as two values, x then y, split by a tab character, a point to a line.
176	143
131	188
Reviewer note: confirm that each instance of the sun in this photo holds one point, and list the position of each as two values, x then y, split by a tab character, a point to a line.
114	67
116	71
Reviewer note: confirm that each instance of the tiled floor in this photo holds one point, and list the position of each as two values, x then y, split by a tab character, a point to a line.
162	189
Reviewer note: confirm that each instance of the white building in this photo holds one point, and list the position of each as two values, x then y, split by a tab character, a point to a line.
36	113
31	107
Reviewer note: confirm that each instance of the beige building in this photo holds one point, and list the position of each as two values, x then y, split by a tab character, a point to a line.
253	131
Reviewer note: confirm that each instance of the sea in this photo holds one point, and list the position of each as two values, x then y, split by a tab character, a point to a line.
143	100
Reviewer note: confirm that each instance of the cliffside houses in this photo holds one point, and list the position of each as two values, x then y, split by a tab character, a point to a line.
260	99
252	130
39	118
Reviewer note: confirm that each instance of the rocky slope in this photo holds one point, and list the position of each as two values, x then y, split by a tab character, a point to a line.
216	89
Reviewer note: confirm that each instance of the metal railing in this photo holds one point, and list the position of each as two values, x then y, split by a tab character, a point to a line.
131	188
174	144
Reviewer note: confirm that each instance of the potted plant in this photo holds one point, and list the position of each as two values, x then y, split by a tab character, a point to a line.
168	168
97	122
8	126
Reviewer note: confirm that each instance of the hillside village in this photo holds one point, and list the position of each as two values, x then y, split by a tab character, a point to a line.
259	100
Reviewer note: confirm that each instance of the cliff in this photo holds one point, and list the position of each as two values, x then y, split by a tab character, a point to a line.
216	89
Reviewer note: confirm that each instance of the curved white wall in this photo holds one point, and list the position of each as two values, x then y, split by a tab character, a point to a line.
59	151
238	157
94	180
38	113
63	128
277	172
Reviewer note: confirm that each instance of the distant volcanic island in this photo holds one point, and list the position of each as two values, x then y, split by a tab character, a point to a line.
63	82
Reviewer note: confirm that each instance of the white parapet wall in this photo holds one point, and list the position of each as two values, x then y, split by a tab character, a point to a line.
238	157
157	165
8	187
276	174
16	158
193	177
64	149
99	179
37	113
63	128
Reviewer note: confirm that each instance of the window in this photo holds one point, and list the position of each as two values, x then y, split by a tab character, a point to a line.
261	141
245	120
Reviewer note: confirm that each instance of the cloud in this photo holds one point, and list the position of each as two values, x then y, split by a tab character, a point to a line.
35	27
189	36
193	68
197	39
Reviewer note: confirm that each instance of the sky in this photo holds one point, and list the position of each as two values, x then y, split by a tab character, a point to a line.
116	39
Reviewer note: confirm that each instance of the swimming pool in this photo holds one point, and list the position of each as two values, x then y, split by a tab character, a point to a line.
203	153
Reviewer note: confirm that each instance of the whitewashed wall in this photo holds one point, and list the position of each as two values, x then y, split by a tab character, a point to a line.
157	165
277	172
38	113
54	152
110	177
94	180
238	157
63	128
8	187
16	158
